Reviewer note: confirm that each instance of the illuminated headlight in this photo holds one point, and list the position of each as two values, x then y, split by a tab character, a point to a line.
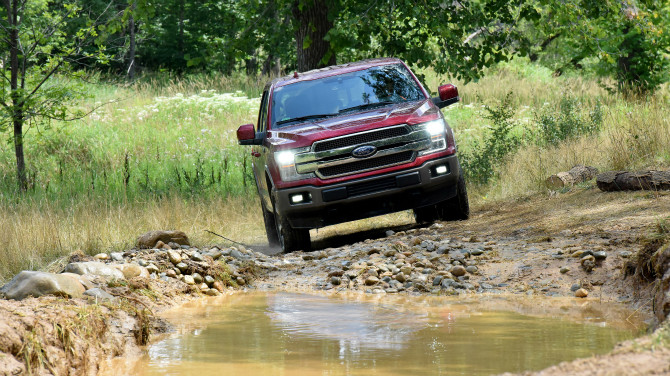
286	164
437	131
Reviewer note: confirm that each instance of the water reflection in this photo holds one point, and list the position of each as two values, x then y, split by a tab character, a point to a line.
295	334
354	325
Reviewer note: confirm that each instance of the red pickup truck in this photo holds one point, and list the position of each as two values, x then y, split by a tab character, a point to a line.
352	141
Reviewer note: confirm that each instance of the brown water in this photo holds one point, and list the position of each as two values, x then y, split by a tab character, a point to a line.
299	334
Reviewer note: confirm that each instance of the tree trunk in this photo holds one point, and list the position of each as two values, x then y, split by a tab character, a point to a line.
131	49
576	175
312	25
633	181
17	100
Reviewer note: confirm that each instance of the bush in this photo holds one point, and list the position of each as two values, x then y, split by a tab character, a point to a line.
568	120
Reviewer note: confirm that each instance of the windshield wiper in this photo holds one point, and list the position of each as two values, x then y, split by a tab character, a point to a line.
367	106
308	117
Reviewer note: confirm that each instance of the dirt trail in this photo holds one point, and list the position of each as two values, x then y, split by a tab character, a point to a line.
550	246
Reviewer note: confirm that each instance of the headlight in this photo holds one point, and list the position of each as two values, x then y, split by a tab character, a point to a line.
436	129
286	164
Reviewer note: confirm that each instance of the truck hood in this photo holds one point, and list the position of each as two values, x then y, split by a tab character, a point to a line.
304	134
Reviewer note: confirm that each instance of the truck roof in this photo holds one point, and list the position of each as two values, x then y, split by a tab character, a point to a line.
331	71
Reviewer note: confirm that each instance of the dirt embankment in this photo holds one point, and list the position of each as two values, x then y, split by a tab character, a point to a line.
609	247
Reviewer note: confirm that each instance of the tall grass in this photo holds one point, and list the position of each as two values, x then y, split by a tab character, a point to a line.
162	154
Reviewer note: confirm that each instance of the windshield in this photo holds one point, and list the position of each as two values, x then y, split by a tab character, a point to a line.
331	96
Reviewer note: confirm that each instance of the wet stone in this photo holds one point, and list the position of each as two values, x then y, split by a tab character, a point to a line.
174	256
458	271
581	293
600	255
371	280
182	267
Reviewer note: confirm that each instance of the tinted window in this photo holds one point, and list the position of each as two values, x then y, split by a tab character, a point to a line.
343	93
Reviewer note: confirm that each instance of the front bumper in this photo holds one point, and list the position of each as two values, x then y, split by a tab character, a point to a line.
363	198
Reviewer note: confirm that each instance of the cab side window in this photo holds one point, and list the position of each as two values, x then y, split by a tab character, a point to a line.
263	113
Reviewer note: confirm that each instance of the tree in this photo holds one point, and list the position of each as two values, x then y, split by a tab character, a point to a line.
34	48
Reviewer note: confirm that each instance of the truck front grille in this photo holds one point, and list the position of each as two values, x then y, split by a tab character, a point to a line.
333	157
367	164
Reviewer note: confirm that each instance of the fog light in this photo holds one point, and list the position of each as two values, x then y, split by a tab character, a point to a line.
297	198
441	170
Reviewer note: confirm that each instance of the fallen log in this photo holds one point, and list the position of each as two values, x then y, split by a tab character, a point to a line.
577	174
611	181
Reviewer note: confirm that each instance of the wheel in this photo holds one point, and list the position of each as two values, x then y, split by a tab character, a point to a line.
456	208
270	226
291	239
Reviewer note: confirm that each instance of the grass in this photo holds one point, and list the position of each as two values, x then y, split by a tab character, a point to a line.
161	154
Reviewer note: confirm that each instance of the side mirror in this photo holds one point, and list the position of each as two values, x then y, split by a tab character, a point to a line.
448	95
247	136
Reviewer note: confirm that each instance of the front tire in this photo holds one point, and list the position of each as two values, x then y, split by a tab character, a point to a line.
291	239
456	208
270	226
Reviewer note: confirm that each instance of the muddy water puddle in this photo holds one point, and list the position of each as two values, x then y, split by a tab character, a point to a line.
301	334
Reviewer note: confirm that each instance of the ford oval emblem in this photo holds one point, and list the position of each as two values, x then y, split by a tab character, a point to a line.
364	151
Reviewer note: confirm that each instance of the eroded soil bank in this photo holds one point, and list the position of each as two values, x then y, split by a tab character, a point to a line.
610	247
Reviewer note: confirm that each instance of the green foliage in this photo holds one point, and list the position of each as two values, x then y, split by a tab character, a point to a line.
479	163
568	120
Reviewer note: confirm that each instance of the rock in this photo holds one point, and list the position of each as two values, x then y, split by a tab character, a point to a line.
443	249
335	281
600	255
406	269
182	267
373	272
438	280
308	257
458	271
117	256
143	262
471	269
371	280
214	253
212	292
94	268
101	256
161	245
390	232
149	239
174	256
196	256
447	282
625	254
400	277
132	270
477	252
99	294
171	273
588	263
564	269
29	283
209	280
197	278
188	279
575	287
151	268
581	293
218	285
203	287
240	256
240	281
